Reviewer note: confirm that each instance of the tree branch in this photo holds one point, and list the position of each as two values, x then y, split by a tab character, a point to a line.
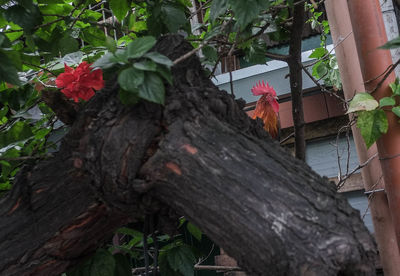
118	163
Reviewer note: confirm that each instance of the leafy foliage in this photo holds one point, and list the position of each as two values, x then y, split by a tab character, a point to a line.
372	124
177	259
326	67
362	101
103	263
392	44
38	37
371	117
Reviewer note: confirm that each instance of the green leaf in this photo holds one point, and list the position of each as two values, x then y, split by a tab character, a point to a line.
395	86
67	44
17	132
127	97
102	263
256	52
27	4
129	79
173	17
246	11
392	44
152	88
396	110
217	8
362	101
165	268
122	266
92	15
187	3
120	56
182	259
26	18
387	101
93	36
159	58
154	21
145	65
111	44
372	125
120	8
165	72
41	133
3	111
55	8
104	62
8	72
210	53
5	186
4	41
322	69
318	53
194	230
14	36
140	46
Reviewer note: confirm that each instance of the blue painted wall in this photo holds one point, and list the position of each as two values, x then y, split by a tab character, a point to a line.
321	156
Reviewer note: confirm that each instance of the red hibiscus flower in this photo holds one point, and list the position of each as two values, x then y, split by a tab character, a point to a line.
79	83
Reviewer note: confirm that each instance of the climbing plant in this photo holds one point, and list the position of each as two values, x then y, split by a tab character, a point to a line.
371	117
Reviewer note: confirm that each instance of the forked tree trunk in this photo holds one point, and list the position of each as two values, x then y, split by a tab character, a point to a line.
200	155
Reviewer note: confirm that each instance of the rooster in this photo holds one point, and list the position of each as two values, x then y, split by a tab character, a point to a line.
267	108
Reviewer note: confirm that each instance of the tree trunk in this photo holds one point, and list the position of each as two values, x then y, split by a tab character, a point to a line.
199	154
296	79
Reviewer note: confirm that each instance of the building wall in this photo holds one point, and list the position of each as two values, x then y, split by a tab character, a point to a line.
274	72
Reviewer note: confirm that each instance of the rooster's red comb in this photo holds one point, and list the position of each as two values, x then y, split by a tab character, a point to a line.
261	89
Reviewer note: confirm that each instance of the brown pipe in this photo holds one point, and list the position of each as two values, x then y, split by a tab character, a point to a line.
349	66
369	34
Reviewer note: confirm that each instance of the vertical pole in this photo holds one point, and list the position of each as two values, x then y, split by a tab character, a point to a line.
349	66
369	34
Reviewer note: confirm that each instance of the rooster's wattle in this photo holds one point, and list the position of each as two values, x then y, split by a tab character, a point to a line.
267	107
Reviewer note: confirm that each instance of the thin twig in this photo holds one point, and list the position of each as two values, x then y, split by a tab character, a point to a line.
154	236
348	151
24	158
215	66
321	87
199	9
76	18
232	64
388	71
340	41
145	245
190	53
231	82
371	195
40	67
338	155
201	260
277	56
287	138
389	157
340	183
217	267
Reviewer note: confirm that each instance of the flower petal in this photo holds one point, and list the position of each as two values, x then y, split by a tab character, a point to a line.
93	80
64	79
86	93
68	69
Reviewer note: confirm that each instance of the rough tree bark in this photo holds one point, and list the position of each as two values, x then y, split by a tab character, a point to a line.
199	155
